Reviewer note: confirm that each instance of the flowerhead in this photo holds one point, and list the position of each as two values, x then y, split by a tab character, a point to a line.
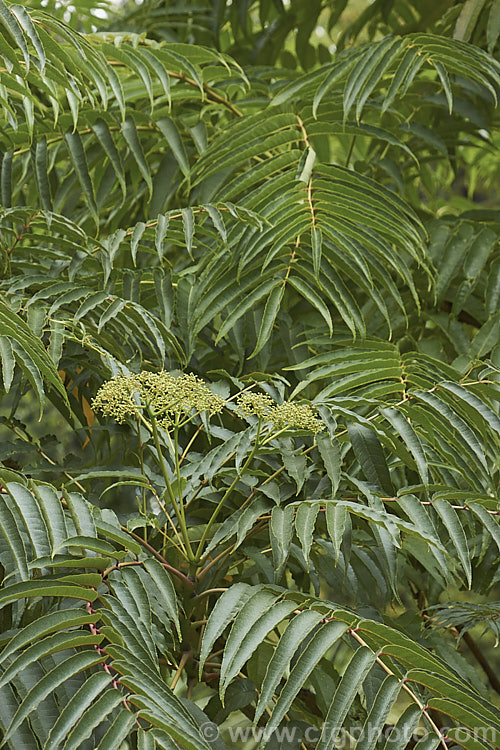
167	397
282	416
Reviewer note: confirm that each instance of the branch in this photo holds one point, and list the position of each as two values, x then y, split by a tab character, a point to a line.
476	651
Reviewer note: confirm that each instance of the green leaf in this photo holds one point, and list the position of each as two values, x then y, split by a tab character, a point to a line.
129	131
137	601
369	452
313	298
79	160
44	625
467	19
161	231
455	529
354	674
244	306
329	452
31	371
117	535
23	737
253	637
11	23
479	252
81	513
253	608
55	677
41	587
57	335
366	74
30	353
115	307
305	521
158	704
225	610
8	362
413	443
103	133
271	310
91	718
463	715
404	728
129	56
405	650
336	520
296	632
159	69
188	222
90	303
139	230
164	590
118	731
455	692
217	220
493	28
122	627
12	535
379	711
49	645
488	521
6	179
169	129
91	543
152	713
317	247
280	533
467	740
145	740
486	338
471	400
52	512
294	463
467	439
443	75
428	742
380	62
69	561
306	165
42	169
323	639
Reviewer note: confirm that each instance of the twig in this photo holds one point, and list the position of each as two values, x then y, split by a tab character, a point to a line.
476	651
184	578
185	656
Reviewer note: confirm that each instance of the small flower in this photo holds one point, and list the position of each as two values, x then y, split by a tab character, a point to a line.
169	398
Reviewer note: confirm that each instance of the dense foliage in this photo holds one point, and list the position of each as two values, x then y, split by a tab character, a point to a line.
250	354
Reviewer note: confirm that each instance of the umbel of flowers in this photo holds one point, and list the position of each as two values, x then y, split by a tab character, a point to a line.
168	398
282	416
175	399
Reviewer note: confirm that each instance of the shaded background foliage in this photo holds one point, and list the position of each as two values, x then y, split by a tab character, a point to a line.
298	195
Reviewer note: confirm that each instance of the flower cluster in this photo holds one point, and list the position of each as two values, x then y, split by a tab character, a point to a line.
296	416
116	398
282	416
259	404
168	398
